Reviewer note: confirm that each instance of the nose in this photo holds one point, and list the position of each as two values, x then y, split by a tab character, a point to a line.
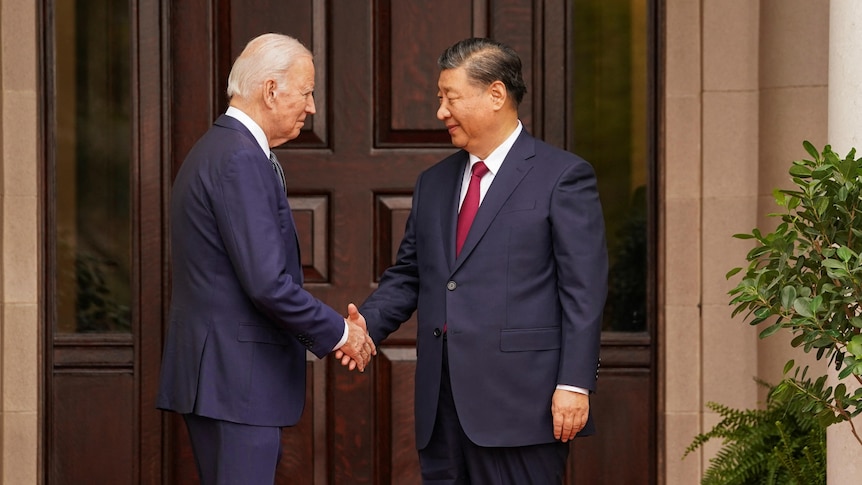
309	105
442	112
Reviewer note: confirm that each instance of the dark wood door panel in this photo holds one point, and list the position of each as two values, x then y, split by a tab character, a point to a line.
92	440
619	452
408	38
398	461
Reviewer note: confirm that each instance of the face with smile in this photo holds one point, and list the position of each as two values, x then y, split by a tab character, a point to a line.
467	109
293	102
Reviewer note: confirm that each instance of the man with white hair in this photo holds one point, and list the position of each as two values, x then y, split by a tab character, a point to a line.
240	320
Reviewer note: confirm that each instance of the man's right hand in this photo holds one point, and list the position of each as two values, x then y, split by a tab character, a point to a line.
359	348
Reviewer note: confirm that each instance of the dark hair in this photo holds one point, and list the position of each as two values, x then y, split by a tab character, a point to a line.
486	61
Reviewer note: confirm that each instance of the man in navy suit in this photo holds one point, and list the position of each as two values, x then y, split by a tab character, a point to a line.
510	306
240	321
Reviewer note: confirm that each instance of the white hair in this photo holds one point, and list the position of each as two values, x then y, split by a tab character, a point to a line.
267	56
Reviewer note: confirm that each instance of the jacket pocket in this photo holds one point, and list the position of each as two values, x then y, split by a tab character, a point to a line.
265	334
526	339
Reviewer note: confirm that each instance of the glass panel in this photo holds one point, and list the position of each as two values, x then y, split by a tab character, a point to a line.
93	156
610	130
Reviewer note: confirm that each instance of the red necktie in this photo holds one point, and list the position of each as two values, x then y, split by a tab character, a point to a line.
470	206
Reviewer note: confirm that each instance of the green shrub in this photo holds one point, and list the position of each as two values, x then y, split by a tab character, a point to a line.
806	277
782	444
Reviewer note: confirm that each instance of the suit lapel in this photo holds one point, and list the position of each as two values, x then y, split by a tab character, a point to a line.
515	167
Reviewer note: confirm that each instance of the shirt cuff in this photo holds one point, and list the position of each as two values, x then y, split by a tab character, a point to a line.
579	390
343	338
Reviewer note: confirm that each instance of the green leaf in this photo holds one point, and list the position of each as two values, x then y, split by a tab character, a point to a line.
816	302
821	205
803	307
800	171
846	167
854	346
770	330
779	196
793	203
764	312
788	296
743	236
843	193
837	273
732	272
810	149
789	365
845	253
845	372
823	343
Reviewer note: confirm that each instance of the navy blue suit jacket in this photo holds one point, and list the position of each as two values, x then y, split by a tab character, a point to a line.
522	302
240	321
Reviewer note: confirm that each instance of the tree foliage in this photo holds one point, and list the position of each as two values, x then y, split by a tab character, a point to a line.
806	277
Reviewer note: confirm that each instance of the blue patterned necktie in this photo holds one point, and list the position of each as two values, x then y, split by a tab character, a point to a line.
277	167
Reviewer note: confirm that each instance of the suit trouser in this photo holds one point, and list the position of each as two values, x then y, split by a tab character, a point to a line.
229	453
452	458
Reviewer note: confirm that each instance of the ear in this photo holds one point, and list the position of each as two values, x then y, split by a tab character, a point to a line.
498	93
270	92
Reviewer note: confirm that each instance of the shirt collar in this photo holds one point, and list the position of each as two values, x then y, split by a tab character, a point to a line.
253	127
495	159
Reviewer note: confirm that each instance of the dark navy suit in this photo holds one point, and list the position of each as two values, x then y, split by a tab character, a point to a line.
522	302
240	321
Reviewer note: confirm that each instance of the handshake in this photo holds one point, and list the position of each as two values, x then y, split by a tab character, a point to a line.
357	351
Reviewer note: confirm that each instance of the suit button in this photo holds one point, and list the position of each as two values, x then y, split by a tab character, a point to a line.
437	332
451	285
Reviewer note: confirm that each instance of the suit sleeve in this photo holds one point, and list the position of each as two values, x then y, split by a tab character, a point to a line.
247	214
580	254
396	297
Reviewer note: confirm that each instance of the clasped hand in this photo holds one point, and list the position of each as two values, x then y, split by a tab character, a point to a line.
357	351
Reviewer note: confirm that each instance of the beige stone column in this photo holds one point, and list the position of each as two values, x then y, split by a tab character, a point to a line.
845	131
19	243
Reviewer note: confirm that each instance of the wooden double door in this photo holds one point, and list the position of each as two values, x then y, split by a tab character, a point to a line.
350	176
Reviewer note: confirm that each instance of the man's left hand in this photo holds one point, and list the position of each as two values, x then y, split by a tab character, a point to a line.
570	410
